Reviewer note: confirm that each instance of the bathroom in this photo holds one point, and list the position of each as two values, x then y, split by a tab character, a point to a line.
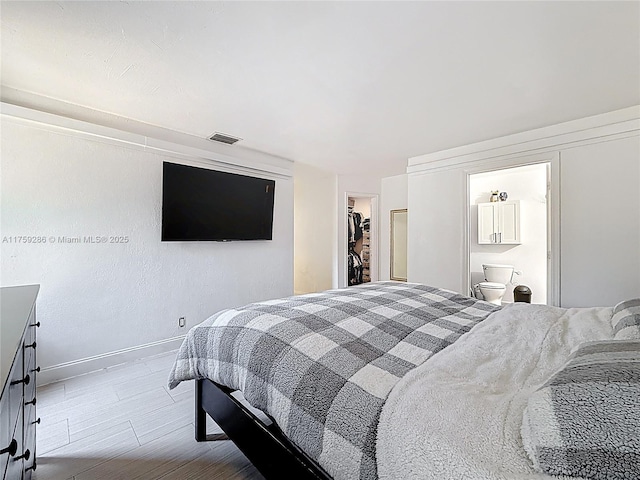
510	229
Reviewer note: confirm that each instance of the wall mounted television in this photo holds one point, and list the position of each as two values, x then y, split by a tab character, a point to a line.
199	204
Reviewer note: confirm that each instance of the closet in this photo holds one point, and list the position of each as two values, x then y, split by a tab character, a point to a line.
358	241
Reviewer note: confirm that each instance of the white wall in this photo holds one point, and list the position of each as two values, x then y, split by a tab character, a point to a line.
435	243
528	185
601	222
315	243
598	227
363	206
393	196
96	299
357	185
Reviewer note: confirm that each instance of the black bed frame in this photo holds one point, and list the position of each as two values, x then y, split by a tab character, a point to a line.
272	453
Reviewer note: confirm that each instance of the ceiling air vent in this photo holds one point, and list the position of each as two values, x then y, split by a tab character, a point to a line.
224	138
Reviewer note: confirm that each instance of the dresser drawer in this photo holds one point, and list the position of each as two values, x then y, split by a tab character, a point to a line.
30	369
15	388
29	346
30	392
6	432
12	410
30	330
29	438
15	463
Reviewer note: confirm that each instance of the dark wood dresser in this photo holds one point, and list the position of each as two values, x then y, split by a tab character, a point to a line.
18	371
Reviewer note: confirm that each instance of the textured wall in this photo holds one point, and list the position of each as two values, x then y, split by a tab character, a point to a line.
315	228
393	197
435	226
98	298
601	223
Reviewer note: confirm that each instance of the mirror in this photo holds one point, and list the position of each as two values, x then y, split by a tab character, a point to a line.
399	245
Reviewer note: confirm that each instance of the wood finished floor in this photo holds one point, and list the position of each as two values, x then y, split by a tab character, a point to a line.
124	423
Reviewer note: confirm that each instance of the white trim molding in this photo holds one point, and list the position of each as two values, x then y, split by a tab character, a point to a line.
616	124
106	360
149	138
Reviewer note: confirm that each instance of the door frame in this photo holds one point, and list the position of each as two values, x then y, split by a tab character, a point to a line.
373	230
553	215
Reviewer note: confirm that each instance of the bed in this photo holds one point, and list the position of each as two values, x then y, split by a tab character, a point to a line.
398	380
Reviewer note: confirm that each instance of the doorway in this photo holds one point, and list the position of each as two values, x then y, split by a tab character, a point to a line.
361	240
509	225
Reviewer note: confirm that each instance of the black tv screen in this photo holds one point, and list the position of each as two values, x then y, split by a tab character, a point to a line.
199	204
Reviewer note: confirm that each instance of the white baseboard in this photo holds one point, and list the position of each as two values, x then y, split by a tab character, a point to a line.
98	362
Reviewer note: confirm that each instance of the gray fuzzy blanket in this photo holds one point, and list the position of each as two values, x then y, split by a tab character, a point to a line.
585	421
322	365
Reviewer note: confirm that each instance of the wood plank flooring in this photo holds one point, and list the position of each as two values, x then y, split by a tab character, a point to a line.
123	423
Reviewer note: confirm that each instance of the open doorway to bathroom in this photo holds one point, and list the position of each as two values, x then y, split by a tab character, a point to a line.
509	227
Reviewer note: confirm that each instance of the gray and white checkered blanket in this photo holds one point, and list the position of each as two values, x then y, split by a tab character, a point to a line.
321	365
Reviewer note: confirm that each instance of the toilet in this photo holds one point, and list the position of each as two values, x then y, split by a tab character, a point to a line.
497	277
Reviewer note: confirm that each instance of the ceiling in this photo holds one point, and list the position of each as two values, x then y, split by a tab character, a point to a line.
352	87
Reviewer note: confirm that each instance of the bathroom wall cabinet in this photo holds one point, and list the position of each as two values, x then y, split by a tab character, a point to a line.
499	223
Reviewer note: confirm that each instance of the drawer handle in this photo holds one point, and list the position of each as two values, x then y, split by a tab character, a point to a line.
35	325
25	380
25	455
32	402
32	467
11	449
33	345
37	421
37	370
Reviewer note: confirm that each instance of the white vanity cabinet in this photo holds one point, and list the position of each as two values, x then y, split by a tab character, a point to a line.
499	222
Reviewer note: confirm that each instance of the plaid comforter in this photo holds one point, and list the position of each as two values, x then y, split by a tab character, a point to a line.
321	365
